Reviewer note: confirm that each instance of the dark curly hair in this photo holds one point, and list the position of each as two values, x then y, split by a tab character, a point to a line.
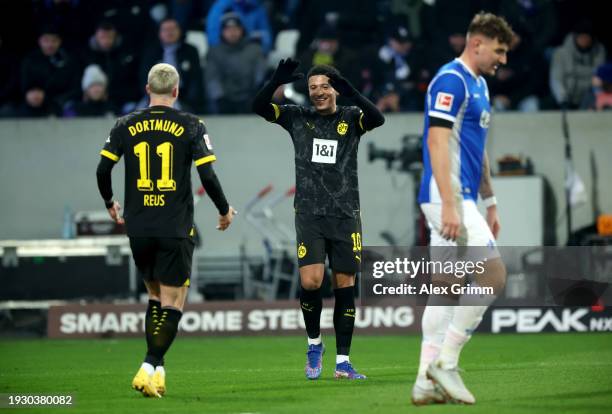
322	70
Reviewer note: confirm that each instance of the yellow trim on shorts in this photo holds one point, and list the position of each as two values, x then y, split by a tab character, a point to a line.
276	111
360	123
109	155
205	160
187	283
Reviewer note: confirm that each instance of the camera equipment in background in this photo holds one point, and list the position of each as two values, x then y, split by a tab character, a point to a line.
407	159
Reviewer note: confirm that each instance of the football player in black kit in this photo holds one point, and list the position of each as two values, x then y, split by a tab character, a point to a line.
159	145
327	217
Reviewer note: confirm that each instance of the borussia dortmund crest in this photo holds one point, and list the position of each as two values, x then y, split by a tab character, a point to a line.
342	128
302	251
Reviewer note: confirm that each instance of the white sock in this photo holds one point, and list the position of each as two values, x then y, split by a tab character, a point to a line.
453	344
465	321
434	325
148	367
161	370
429	353
315	341
342	358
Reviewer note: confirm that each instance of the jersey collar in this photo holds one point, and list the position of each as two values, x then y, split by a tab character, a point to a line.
462	63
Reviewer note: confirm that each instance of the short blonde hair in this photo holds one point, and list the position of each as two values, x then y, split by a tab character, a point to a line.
162	79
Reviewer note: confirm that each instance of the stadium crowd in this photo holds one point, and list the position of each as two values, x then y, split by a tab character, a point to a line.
71	58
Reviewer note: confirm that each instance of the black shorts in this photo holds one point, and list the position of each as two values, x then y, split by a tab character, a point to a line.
339	238
166	259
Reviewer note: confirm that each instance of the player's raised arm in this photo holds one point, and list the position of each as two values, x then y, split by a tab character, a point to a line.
488	198
372	117
284	73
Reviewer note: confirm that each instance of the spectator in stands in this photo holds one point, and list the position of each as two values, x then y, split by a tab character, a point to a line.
136	20
443	25
283	14
446	50
537	18
401	65
407	13
49	76
355	21
234	70
188	12
95	97
120	64
517	84
358	66
9	87
326	50
602	87
253	16
173	50
37	104
573	65
76	19
441	19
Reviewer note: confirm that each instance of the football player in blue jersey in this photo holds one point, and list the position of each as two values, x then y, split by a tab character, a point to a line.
456	171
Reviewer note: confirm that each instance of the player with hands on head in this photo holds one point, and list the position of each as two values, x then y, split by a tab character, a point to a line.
326	137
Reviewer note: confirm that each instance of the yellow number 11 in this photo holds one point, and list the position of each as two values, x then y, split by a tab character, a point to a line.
165	151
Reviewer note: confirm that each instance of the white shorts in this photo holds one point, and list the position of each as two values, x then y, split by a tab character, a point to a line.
474	228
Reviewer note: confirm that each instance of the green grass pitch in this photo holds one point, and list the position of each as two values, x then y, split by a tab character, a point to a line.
536	373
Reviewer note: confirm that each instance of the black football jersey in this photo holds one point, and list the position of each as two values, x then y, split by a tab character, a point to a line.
158	145
325	158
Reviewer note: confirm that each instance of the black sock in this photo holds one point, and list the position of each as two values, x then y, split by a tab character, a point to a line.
163	334
151	318
344	318
312	304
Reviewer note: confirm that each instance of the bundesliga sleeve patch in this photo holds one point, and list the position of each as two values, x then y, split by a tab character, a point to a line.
207	142
444	101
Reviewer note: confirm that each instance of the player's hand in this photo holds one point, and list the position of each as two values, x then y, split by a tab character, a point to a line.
226	220
341	85
451	222
114	213
493	220
284	72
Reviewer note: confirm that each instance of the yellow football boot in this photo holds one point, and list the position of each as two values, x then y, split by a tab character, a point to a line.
143	383
159	382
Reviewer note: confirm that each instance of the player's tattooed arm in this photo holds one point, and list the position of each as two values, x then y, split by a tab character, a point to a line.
486	188
284	73
486	193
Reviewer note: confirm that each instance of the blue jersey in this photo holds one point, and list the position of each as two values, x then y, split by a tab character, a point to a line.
456	95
